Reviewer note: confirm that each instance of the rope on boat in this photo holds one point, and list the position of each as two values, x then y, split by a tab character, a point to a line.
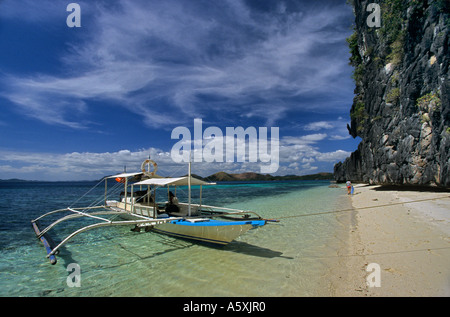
362	208
113	190
79	198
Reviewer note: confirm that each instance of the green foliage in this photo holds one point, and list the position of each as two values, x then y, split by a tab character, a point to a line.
397	50
392	18
378	62
358	73
392	29
431	100
359	114
377	118
393	96
355	58
359	110
395	78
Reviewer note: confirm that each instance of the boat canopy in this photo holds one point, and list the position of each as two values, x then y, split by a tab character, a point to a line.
124	175
174	181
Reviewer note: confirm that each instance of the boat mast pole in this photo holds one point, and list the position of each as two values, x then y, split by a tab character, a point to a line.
200	205
189	187
106	189
125	186
126	192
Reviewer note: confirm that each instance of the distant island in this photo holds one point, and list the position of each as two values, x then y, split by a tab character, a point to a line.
15	180
225	177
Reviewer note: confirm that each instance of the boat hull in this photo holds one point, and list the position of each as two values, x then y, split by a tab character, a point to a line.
211	231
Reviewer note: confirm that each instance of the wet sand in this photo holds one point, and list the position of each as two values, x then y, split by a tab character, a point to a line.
407	240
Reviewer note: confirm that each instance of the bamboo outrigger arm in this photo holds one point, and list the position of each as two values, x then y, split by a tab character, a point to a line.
104	224
52	250
72	216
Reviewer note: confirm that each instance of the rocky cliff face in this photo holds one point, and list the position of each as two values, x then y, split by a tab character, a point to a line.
401	108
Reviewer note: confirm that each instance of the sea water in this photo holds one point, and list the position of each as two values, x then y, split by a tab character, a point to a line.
292	257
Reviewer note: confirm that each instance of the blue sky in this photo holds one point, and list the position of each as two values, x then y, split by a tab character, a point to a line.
80	103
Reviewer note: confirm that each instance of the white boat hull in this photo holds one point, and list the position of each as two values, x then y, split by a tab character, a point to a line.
210	232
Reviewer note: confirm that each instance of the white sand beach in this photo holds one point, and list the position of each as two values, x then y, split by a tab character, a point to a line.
408	240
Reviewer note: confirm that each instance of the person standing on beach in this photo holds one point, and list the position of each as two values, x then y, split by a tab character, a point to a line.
349	187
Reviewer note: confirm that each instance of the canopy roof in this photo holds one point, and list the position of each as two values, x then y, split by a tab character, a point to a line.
124	175
174	181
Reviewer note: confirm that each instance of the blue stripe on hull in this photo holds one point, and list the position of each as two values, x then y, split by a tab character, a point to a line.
218	223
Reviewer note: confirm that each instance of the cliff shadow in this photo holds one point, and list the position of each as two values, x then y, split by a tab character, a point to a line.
412	188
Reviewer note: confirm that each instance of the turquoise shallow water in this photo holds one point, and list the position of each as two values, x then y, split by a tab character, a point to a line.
289	258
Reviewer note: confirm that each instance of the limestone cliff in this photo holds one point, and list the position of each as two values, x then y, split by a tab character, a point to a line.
401	107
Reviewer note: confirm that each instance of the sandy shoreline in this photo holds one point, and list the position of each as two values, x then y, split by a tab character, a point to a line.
409	242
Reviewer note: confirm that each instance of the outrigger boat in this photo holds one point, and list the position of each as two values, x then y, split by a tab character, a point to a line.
199	222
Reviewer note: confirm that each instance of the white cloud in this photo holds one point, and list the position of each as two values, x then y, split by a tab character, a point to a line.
74	166
337	128
333	156
306	139
316	126
294	159
303	150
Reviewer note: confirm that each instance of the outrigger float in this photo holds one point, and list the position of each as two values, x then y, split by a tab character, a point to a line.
199	222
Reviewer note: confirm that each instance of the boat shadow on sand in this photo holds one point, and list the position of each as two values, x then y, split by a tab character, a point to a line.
179	244
253	250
